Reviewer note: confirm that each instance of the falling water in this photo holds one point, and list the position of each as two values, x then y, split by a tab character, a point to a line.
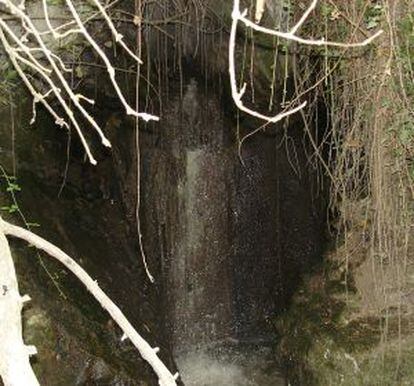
207	317
230	366
233	238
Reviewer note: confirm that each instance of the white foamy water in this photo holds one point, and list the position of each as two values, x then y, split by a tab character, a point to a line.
229	367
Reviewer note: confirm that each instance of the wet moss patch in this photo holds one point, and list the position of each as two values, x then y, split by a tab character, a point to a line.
323	341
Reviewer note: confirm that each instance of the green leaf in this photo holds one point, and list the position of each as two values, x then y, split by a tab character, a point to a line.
372	23
13	187
33	224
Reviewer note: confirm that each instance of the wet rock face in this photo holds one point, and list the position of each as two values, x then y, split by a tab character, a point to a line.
278	229
200	276
257	265
187	196
226	239
233	236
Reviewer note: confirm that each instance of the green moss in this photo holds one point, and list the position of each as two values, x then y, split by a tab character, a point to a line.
323	344
333	364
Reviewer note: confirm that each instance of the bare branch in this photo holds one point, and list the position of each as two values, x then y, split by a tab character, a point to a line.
291	35
15	369
237	95
166	378
304	16
37	96
51	67
310	42
118	37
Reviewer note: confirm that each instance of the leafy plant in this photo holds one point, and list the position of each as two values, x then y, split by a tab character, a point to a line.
10	209
373	16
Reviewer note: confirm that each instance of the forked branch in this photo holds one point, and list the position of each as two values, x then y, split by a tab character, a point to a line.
48	68
238	16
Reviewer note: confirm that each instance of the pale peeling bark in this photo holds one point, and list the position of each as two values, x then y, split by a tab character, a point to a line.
15	369
165	377
260	8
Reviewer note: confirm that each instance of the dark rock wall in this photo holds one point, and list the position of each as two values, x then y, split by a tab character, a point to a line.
226	238
231	236
77	341
187	187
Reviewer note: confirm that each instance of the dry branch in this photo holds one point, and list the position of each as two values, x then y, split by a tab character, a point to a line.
15	369
240	16
49	67
166	378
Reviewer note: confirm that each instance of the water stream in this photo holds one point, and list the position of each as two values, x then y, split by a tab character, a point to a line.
233	237
218	279
230	365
